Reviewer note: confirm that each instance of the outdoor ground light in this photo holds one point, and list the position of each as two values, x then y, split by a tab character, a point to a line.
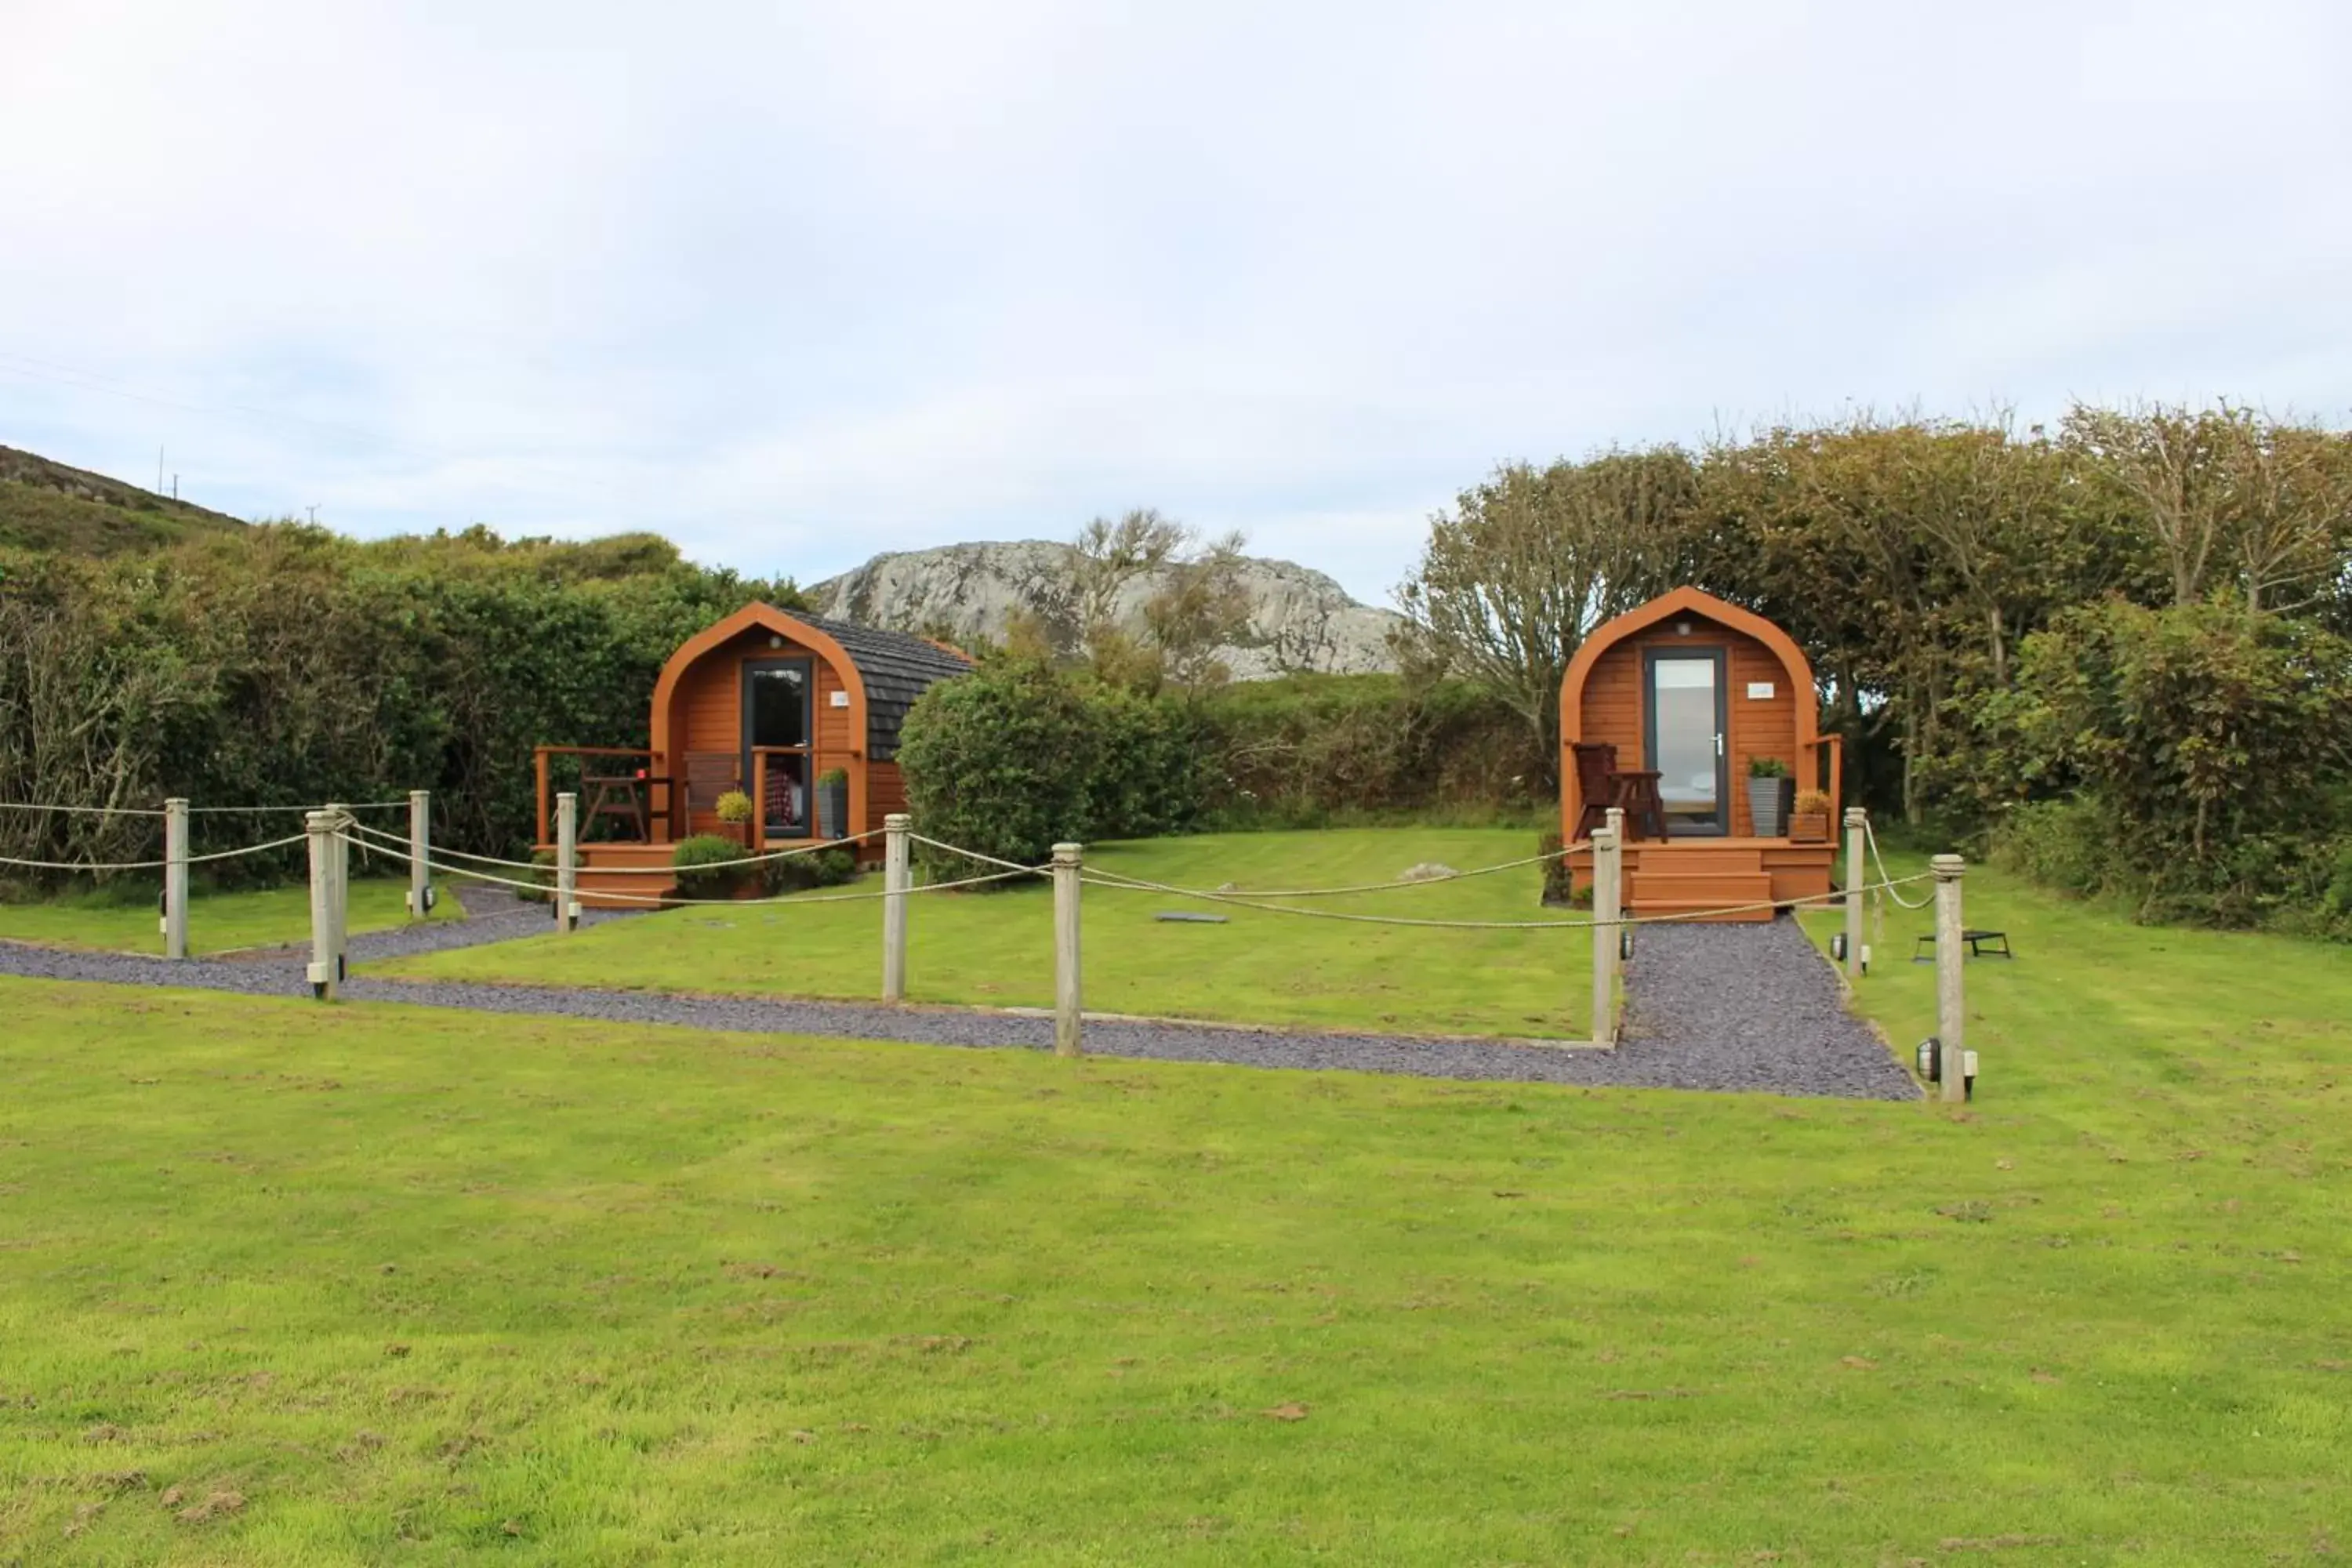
1837	946
1865	958
1930	1058
1967	1075
1625	942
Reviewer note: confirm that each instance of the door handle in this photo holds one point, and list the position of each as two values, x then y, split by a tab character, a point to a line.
1718	743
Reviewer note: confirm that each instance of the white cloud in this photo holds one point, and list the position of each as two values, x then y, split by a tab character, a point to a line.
797	283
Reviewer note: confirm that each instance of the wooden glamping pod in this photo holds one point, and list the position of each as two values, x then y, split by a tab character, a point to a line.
1662	713
767	702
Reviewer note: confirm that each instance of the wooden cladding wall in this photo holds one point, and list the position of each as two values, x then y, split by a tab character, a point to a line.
1758	726
886	791
708	712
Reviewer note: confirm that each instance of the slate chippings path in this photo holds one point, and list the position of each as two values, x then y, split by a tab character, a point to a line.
1817	1053
1751	1006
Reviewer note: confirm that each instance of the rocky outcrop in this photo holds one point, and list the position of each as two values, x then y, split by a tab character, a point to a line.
1299	620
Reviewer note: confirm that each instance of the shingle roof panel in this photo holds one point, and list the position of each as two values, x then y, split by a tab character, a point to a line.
895	667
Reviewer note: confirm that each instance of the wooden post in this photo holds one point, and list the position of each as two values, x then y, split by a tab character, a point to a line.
1066	1001
420	854
538	774
338	861
326	971
1614	820
1605	936
757	838
1951	1027
895	880
567	871
1856	822
175	878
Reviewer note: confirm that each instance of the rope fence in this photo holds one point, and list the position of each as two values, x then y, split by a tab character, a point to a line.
673	900
111	866
1133	884
761	860
332	835
193	810
1870	837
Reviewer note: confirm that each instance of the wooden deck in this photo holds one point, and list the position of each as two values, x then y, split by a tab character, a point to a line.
1675	876
596	874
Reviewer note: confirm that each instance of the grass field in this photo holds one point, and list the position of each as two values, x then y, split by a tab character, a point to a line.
217	922
997	948
281	1284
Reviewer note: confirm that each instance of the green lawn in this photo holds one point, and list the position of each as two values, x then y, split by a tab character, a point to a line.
287	1284
996	947
217	922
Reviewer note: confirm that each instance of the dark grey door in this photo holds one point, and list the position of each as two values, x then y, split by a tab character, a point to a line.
777	710
1684	710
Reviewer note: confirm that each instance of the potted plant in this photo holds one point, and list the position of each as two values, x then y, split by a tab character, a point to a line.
1768	796
833	802
734	813
1808	819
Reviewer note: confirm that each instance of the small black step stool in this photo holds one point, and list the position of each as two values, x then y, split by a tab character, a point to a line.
1980	944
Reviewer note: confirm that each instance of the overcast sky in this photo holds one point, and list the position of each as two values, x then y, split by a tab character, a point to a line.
794	284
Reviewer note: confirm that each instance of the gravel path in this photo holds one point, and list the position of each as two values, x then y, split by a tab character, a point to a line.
492	914
1807	1046
1751	1006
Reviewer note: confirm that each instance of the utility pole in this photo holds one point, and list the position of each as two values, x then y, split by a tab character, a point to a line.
313	509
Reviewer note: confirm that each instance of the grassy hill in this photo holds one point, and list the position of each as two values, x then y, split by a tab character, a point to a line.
48	506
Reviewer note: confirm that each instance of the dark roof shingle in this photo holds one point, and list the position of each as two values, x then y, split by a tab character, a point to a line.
896	668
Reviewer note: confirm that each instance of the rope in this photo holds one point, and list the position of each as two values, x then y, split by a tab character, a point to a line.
1130	884
1561	853
656	899
976	855
395	841
1870	837
80	810
151	864
630	870
797	901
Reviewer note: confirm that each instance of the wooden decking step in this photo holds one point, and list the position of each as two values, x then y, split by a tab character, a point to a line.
1684	856
1676	892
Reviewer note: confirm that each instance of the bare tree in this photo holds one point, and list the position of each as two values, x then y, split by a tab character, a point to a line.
2293	488
1108	556
1527	562
2232	497
1202	608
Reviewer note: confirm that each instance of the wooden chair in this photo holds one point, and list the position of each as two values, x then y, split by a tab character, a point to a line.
1645	809
1596	774
627	798
708	775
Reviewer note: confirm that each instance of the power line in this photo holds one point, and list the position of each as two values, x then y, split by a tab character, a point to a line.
16	363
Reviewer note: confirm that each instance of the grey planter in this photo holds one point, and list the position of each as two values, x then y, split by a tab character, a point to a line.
1767	806
832	809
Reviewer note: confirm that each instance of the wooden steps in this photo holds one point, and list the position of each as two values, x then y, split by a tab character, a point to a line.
597	873
1654	893
1678	876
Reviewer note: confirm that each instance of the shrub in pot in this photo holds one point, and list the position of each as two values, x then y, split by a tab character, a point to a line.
833	804
703	872
1769	786
733	810
1808	819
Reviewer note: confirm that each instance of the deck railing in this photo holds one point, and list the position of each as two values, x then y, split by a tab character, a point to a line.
643	795
1824	769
